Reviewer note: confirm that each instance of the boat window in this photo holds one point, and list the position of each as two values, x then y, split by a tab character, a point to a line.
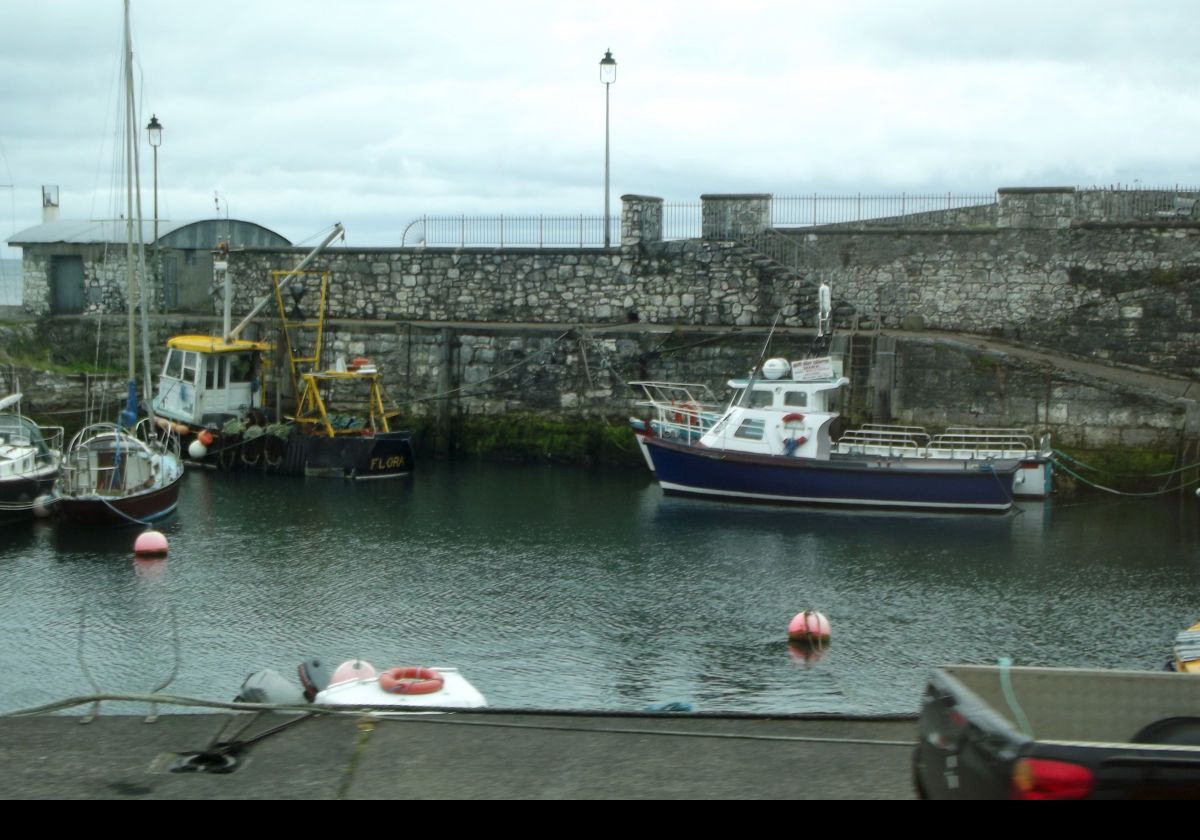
174	366
761	399
190	361
750	430
214	373
241	368
796	399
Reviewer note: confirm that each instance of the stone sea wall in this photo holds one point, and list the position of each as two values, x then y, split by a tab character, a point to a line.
561	331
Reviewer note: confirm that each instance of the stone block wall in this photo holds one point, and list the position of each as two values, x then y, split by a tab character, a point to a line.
732	216
1126	294
560	330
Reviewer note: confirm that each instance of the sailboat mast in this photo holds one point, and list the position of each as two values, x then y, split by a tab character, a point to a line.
137	278
130	134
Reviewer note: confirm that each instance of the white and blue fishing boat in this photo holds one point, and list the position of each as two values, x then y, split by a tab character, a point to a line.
773	444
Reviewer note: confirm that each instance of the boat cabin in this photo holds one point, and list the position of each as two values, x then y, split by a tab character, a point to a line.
788	411
206	381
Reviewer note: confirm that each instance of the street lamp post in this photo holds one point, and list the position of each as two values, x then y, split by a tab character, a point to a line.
154	131
608	75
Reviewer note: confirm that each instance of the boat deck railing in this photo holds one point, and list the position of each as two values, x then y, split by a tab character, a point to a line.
884	439
105	460
956	442
680	402
966	442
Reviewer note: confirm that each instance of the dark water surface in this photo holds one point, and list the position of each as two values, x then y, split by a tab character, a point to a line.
559	587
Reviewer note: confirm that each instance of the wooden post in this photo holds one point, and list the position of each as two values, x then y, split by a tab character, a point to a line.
445	385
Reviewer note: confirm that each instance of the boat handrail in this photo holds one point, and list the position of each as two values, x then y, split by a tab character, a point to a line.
967	439
882	435
666	392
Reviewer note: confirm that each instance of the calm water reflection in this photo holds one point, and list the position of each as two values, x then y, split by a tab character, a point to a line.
566	588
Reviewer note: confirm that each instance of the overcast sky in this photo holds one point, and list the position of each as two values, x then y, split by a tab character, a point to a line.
300	114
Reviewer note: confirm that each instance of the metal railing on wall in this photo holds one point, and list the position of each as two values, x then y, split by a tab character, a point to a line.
683	220
510	231
814	210
1122	202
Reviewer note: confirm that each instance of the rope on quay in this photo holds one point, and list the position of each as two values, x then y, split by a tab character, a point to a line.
1063	455
1146	495
449	719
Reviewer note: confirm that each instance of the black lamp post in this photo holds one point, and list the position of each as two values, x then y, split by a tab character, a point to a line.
154	131
608	75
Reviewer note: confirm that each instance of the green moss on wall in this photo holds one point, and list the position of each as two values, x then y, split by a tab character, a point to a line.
522	436
1123	469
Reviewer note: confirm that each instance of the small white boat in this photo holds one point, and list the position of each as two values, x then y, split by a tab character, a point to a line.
30	457
357	683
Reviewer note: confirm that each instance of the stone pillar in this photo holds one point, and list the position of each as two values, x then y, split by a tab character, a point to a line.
733	215
1036	208
641	220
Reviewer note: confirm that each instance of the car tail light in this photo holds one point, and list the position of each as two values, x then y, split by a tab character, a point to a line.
1039	778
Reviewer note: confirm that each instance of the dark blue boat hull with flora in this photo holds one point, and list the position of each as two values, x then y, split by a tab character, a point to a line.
865	482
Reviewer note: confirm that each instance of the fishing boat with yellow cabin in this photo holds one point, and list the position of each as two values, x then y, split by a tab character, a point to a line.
226	393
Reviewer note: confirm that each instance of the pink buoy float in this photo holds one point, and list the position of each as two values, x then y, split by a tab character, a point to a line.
150	544
353	669
809	626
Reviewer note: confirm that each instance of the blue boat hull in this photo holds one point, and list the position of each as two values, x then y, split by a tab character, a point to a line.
865	482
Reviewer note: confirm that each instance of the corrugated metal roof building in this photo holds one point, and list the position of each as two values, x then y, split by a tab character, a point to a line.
79	266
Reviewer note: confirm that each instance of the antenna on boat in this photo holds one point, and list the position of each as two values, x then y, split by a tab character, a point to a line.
761	357
824	337
824	310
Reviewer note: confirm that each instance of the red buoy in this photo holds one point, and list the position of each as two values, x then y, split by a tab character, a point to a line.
150	544
809	626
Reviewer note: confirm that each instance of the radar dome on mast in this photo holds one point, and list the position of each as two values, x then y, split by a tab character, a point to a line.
776	368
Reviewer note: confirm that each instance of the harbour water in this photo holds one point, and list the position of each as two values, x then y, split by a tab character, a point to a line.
557	587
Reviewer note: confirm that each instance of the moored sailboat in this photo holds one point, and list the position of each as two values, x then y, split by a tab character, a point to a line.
126	472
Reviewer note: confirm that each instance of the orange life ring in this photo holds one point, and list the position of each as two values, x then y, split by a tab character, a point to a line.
411	680
793	417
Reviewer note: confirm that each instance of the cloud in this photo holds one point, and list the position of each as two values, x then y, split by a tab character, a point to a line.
374	113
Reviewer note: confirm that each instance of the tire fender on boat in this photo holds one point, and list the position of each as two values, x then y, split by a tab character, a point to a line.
411	680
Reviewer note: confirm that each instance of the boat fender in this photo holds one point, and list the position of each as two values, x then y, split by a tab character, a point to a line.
687	412
315	676
411	680
167	426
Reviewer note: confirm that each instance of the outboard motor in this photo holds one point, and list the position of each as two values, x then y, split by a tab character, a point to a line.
314	676
269	686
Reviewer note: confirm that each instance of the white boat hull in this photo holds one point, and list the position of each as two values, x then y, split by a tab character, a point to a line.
456	693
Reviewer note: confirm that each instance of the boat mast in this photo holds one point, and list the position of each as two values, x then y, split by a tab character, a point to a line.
130	133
